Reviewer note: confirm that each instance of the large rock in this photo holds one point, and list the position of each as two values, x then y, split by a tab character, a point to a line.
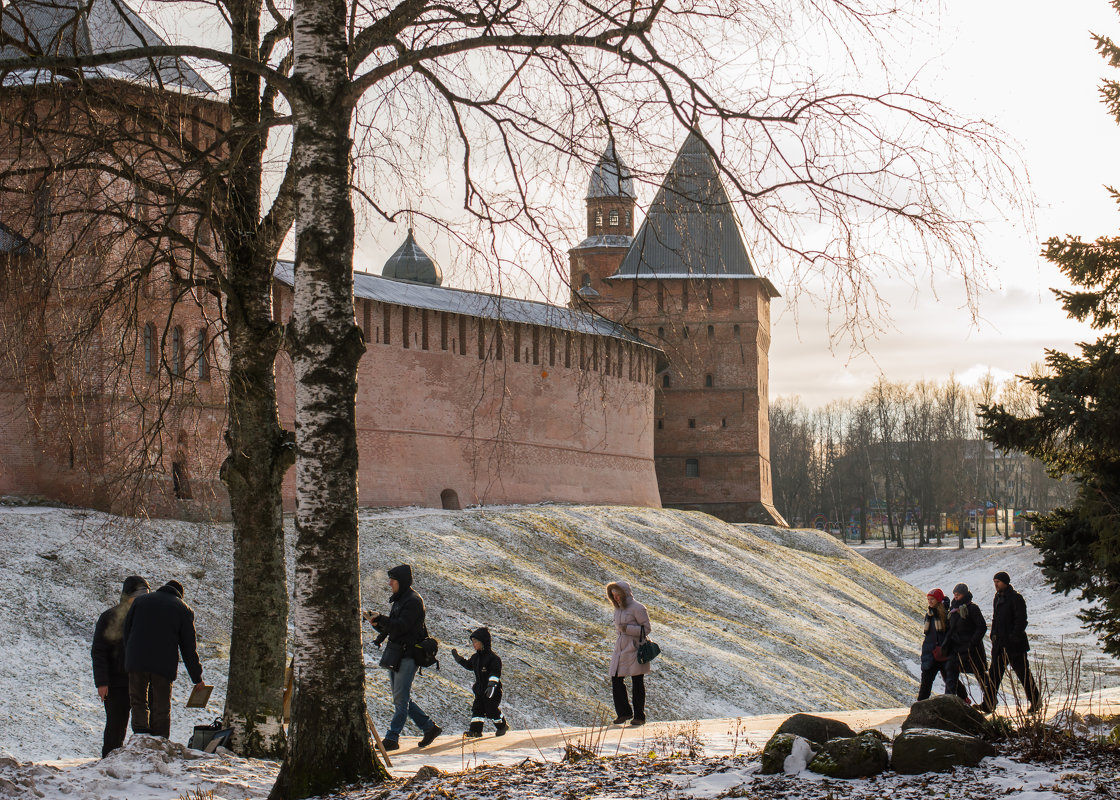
785	752
921	750
947	713
815	729
853	757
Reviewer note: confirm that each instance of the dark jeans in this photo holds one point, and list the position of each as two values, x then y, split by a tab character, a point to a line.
953	683
1001	659
622	702
942	669
150	696
400	681
117	706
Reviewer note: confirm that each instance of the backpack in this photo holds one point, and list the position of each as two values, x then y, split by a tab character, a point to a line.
426	652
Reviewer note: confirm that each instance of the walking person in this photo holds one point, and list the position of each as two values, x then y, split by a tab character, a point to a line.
965	643
1009	644
157	630
631	622
404	627
487	687
936	627
109	673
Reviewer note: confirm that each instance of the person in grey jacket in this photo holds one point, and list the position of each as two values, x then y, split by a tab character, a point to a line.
631	623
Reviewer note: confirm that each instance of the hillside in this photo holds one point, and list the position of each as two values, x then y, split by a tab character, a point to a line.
751	620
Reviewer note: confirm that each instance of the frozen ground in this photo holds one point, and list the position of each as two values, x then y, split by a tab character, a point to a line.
754	620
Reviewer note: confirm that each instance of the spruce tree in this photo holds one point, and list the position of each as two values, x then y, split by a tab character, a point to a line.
1075	430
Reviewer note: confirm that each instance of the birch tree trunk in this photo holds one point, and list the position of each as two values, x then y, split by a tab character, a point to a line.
329	739
260	450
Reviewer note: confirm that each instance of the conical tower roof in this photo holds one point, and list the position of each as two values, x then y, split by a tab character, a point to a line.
691	228
90	27
611	177
411	263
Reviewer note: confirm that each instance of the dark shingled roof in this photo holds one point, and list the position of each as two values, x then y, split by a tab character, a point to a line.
411	263
611	176
691	229
70	28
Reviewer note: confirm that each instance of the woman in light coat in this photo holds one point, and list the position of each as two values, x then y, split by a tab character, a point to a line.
631	622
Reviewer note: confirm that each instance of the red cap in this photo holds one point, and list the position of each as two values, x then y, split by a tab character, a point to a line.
937	595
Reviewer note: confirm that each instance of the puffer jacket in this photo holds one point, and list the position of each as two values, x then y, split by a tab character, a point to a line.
1009	622
936	631
631	623
966	634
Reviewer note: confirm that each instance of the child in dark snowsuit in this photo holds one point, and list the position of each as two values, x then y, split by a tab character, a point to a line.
487	686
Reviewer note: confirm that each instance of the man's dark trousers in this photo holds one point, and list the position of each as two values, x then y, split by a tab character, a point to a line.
150	697
1001	660
117	705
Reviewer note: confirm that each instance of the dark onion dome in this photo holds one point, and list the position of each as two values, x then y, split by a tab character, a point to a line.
691	229
69	28
611	176
411	263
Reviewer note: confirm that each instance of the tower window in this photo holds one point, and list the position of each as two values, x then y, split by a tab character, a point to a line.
627	217
723	422
176	350
665	381
660	297
692	422
150	349
660	424
598	219
203	362
692	468
711	331
709	382
614	216
736	331
660	333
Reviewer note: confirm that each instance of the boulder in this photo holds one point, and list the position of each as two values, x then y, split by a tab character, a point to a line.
921	750
787	753
815	729
424	774
852	757
947	713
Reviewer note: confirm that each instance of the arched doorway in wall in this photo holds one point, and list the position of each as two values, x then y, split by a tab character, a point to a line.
449	499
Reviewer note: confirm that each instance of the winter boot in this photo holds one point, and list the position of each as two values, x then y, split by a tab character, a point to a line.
430	736
622	719
472	734
501	728
390	744
637	722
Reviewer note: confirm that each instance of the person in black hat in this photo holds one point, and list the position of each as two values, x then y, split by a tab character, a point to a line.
1009	644
487	688
159	627
109	675
404	626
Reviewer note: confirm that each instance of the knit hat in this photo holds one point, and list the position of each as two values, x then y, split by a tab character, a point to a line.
960	588
134	585
175	587
937	595
1002	577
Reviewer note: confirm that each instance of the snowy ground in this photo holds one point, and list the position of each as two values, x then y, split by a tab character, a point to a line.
754	620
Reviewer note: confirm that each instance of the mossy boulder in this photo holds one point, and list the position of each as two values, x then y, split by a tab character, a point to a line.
921	750
778	750
816	729
851	757
947	713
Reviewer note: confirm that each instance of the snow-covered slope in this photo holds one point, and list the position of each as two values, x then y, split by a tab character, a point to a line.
750	619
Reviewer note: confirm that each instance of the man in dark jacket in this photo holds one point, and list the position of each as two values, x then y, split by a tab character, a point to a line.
965	643
109	675
159	627
1009	644
405	628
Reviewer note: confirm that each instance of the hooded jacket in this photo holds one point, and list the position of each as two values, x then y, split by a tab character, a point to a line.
485	663
107	650
405	624
936	633
631	624
965	639
159	627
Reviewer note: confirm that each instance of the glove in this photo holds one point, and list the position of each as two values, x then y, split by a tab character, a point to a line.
491	689
454	653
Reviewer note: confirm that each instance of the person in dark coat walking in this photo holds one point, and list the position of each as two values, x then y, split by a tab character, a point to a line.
487	687
1009	644
936	626
159	627
631	623
404	626
965	643
109	674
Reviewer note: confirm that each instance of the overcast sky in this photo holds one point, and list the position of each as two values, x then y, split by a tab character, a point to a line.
1031	69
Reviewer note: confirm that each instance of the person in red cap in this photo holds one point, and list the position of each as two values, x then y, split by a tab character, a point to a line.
936	627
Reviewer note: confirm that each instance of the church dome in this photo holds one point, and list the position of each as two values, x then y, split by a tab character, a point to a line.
410	263
611	177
